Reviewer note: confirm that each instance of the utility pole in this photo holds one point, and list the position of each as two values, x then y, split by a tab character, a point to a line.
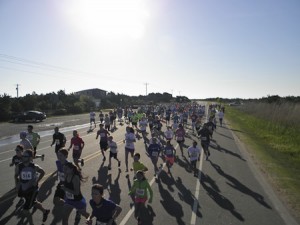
146	87
17	88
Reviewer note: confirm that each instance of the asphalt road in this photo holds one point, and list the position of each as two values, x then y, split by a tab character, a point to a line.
228	189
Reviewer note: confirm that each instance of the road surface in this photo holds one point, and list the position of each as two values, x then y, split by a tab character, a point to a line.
228	190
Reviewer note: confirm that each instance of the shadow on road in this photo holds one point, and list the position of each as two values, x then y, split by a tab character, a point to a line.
167	201
184	163
214	193
226	151
46	187
114	189
6	202
240	187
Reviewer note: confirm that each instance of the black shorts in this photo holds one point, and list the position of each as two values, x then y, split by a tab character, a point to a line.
92	120
30	197
59	192
113	155
76	154
103	145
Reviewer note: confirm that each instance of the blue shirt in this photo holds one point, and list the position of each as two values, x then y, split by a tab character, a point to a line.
154	149
104	211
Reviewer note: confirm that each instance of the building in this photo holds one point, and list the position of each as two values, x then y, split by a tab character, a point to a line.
95	93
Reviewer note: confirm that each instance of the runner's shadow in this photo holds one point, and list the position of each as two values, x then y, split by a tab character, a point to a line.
114	189
226	151
6	201
240	187
168	200
103	176
186	195
46	188
214	193
168	180
184	164
223	135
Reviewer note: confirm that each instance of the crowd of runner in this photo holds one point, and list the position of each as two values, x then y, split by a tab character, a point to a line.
145	124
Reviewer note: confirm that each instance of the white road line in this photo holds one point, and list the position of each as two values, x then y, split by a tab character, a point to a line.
197	191
131	211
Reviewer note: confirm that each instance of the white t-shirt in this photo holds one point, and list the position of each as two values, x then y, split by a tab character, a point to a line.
113	147
143	125
221	115
129	140
169	134
194	153
92	115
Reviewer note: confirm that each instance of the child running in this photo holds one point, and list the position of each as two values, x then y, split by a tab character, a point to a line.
194	154
169	153
105	211
139	193
113	152
78	145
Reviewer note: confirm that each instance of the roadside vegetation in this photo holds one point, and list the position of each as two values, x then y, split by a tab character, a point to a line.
271	132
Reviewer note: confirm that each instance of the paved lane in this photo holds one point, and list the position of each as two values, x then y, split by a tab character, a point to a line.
225	192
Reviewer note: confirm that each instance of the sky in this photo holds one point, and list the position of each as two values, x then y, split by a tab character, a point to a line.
194	48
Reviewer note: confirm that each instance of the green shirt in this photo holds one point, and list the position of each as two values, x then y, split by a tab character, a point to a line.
141	189
34	138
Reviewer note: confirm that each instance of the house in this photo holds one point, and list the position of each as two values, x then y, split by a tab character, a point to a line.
95	93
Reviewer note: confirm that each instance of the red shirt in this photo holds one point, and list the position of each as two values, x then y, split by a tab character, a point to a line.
77	143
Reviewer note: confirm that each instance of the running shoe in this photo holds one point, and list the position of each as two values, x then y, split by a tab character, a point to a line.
43	157
82	162
45	215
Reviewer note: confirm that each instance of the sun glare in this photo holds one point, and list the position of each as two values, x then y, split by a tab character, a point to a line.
109	18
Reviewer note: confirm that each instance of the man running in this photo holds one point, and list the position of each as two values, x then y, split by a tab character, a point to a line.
103	133
26	174
59	140
34	139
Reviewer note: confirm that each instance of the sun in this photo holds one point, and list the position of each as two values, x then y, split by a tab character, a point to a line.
109	18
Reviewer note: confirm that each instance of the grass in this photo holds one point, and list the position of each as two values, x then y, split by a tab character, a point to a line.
275	145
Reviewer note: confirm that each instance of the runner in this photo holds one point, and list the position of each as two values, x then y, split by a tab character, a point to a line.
105	211
59	194
103	133
194	154
107	122
59	139
194	118
154	150
101	117
73	196
179	135
169	134
24	141
17	159
34	139
26	174
78	144
204	135
113	152
221	116
170	154
129	144
139	194
137	165
143	126
92	119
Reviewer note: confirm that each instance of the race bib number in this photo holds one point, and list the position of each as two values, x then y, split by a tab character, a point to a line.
57	141
179	138
169	152
69	195
140	192
100	223
76	147
203	138
155	154
26	175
